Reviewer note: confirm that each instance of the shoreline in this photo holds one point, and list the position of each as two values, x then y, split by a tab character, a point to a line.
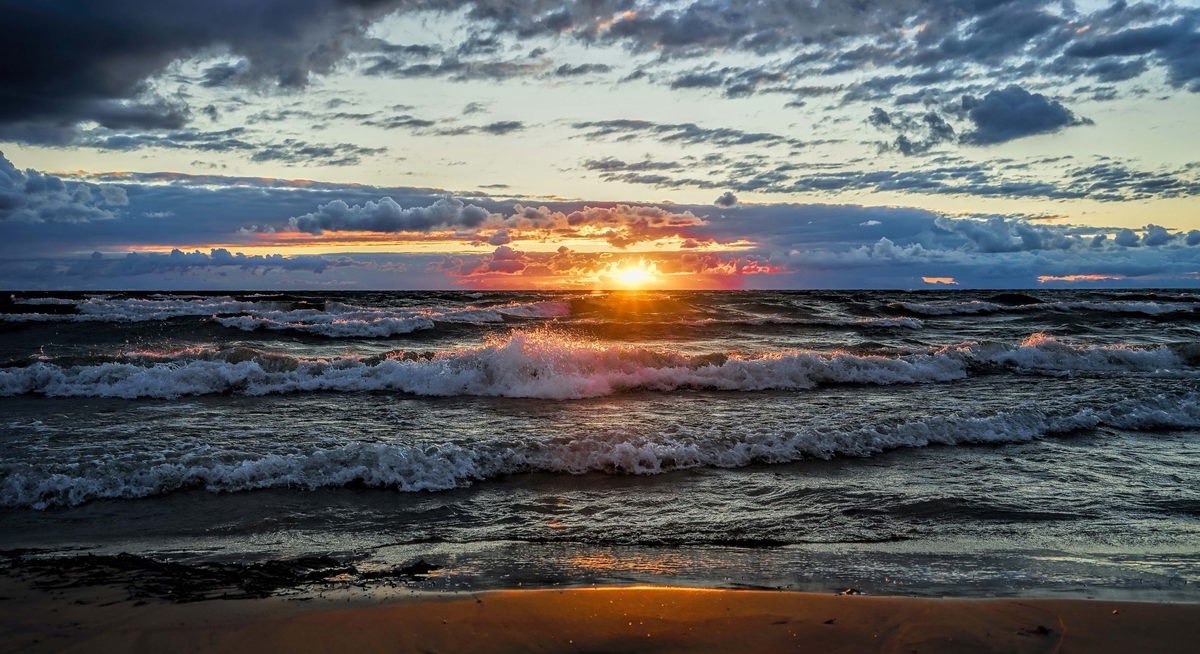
609	619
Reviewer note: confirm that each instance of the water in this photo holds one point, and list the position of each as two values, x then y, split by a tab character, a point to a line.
914	443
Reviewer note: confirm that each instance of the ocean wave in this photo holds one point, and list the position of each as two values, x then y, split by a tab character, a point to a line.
867	323
1043	352
334	320
443	466
978	306
907	323
544	364
951	308
358	324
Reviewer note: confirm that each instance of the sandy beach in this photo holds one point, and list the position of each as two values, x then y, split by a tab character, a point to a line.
614	619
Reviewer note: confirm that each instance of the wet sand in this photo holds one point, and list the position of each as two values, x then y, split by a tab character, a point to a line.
624	619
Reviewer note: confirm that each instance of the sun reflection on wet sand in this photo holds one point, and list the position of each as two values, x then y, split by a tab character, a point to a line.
607	562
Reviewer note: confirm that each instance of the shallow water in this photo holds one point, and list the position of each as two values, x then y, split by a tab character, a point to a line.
923	443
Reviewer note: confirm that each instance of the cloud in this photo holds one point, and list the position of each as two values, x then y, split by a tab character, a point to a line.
785	245
32	196
105	64
509	268
1157	235
135	264
237	140
682	133
427	127
1012	113
1176	45
294	151
727	199
454	68
567	70
387	216
1127	238
502	127
929	130
1106	181
1001	234
93	65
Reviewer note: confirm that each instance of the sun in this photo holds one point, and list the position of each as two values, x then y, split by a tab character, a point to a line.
629	275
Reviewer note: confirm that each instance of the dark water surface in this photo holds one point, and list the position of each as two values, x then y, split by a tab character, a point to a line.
973	443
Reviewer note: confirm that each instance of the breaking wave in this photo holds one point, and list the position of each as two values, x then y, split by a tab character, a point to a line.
978	306
332	319
435	467
548	365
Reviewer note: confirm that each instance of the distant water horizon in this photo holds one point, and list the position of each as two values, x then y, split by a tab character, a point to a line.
967	442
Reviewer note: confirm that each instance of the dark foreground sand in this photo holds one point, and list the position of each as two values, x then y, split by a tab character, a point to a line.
630	619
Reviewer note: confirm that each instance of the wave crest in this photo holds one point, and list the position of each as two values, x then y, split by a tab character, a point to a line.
435	467
544	364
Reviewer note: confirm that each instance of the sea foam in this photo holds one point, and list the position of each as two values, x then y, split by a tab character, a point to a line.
545	364
433	466
336	320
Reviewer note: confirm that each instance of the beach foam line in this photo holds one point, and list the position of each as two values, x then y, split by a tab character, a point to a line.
442	466
547	365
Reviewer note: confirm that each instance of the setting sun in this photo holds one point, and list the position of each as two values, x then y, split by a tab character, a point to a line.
629	275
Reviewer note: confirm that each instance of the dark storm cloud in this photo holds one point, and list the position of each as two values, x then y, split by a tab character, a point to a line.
66	62
31	196
1012	113
63	62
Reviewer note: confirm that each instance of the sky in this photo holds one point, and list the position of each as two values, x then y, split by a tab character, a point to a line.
592	144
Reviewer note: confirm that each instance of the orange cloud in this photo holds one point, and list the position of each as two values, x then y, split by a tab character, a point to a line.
508	268
1077	278
948	281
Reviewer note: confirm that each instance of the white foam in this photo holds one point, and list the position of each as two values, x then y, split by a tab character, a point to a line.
334	324
976	307
338	320
951	308
434	467
536	365
536	310
908	323
543	364
1044	352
